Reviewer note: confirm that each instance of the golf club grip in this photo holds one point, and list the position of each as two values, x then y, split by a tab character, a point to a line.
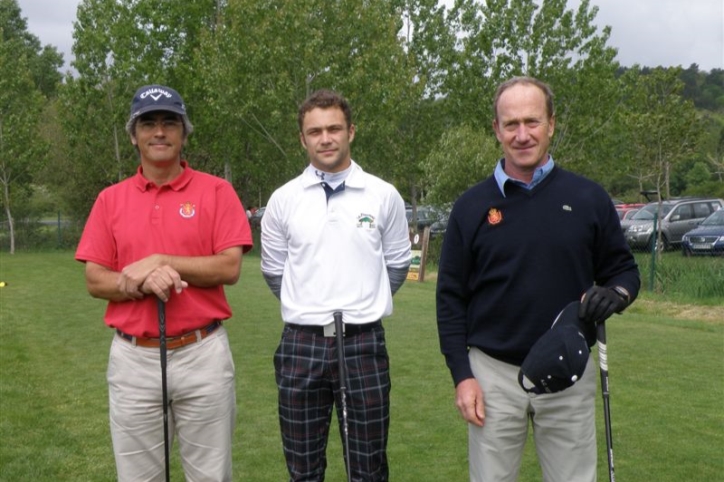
161	319
342	366
339	332
337	315
161	306
603	362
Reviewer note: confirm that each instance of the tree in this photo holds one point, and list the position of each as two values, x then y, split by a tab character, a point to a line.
661	127
499	39
120	46
427	40
42	62
258	64
463	157
28	73
20	146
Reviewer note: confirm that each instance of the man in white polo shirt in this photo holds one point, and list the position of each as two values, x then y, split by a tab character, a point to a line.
333	239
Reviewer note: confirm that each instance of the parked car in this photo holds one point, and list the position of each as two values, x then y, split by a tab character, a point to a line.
708	238
678	216
426	216
628	214
625	211
439	227
255	219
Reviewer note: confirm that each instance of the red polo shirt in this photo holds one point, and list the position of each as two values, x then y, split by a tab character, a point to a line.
196	214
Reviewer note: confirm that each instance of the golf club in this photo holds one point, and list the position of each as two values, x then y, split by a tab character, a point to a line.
603	362
339	329
164	388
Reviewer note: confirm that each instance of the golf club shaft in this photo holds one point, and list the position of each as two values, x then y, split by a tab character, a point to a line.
164	387
603	362
339	330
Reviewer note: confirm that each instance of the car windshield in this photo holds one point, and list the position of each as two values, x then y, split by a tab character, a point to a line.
716	219
647	213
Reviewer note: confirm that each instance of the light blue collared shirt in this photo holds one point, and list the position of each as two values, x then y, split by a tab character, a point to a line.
501	177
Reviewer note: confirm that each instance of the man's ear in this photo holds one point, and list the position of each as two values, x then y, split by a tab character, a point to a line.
496	128
133	140
551	125
352	130
301	139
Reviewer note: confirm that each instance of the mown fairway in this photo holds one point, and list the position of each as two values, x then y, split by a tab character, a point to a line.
667	386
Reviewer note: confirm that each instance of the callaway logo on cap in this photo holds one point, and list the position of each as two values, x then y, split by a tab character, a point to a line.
152	98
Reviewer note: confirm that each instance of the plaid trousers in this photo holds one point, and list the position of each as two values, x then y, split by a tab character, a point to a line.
307	375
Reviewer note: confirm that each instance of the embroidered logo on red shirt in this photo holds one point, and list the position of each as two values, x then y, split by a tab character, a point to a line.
187	210
494	216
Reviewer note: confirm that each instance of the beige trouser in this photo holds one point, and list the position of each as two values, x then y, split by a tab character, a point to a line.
200	380
564	426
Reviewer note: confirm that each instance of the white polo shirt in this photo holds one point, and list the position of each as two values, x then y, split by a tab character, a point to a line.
333	255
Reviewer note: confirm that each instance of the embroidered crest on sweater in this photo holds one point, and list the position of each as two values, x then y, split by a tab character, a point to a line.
494	216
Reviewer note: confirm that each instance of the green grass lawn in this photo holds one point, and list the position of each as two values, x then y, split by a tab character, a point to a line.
666	375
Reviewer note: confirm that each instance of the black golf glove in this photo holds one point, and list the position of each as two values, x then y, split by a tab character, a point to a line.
600	302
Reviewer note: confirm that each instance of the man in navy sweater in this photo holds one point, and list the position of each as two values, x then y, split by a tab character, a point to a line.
519	247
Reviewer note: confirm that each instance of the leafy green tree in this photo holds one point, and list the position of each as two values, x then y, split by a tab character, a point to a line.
698	175
499	39
463	157
420	117
254	68
43	62
662	128
118	47
21	149
28	74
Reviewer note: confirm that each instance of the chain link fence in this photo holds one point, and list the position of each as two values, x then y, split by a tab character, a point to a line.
48	233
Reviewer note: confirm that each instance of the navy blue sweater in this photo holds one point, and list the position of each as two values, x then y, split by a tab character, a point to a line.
510	264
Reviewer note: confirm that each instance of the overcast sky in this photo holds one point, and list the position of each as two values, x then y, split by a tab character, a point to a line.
647	32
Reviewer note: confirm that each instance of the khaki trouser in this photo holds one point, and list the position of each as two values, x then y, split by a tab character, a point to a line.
564	426
202	412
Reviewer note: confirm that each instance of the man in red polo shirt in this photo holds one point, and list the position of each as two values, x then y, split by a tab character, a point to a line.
178	235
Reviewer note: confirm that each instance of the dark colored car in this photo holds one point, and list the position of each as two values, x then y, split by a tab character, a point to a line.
426	216
439	227
255	219
707	239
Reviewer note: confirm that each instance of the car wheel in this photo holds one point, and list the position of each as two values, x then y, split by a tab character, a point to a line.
661	246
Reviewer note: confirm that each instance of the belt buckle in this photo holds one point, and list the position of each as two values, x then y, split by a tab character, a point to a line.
330	330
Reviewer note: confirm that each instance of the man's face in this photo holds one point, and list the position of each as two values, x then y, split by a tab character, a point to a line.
159	137
523	129
326	137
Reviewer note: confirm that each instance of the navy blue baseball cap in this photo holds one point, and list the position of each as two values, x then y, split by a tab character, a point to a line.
558	359
154	98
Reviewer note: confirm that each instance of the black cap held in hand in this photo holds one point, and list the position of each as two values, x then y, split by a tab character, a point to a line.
558	359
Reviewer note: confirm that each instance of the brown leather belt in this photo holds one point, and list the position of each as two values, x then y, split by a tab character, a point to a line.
172	342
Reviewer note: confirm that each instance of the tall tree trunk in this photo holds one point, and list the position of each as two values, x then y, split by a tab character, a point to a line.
11	227
667	179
